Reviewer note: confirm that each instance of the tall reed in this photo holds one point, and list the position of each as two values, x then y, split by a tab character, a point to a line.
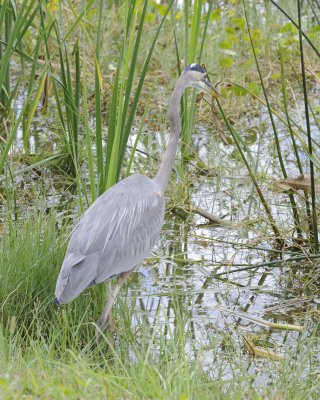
289	122
8	18
15	21
124	95
275	132
314	223
195	31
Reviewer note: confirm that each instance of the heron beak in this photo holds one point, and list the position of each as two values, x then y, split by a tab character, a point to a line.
207	87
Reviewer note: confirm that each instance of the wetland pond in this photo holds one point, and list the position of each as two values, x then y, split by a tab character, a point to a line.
201	270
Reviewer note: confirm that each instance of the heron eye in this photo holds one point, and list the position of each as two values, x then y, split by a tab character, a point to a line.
205	78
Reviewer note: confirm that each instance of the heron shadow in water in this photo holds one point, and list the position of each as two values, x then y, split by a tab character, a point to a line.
120	228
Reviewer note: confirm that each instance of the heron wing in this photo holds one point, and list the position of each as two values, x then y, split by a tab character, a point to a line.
114	235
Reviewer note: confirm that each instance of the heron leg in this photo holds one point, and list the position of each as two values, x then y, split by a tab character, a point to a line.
105	316
109	294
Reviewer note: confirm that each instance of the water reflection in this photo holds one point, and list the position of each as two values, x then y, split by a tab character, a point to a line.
181	284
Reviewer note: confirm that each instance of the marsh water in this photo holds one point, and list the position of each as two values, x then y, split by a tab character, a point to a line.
198	260
193	267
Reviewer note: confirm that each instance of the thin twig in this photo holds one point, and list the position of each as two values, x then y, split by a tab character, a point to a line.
260	321
217	122
212	218
268	264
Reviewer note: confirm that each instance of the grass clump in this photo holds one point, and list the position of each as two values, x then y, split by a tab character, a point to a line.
50	352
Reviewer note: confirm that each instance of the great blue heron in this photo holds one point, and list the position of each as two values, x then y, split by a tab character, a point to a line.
121	227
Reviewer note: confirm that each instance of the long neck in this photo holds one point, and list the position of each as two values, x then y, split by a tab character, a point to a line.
163	175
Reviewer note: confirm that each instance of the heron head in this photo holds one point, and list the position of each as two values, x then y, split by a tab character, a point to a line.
199	79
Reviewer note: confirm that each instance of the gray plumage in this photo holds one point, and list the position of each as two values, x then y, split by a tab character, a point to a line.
121	227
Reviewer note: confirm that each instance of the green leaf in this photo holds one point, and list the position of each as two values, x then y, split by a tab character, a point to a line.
238	23
226	62
254	88
256	34
215	15
225	44
151	17
288	27
239	91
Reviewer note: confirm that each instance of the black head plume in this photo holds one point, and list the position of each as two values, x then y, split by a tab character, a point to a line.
195	67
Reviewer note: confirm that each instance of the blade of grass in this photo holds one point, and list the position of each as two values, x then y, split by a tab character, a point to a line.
297	26
206	24
283	120
34	166
134	147
193	53
254	180
137	93
21	24
275	132
31	111
285	103
176	47
314	236
121	96
2	45
89	151
15	125
31	83
77	85
98	117
190	50
8	28
295	149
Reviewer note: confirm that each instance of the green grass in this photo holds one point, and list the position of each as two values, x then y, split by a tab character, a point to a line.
49	352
